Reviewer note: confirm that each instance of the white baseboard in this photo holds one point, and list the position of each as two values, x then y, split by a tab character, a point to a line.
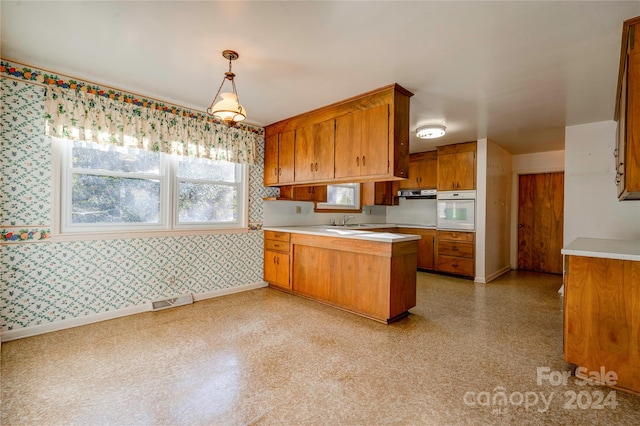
20	333
493	276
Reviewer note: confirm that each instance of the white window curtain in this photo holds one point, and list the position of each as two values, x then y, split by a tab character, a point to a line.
80	115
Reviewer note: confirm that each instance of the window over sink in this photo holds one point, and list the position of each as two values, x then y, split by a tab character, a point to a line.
342	196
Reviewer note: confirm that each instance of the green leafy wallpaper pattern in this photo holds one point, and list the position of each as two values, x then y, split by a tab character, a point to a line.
45	282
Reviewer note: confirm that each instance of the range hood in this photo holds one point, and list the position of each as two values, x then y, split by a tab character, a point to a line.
417	193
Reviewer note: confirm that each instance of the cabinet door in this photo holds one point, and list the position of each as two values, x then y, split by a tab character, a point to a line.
310	193
413	181
446	171
379	193
374	145
426	170
324	150
286	158
465	170
304	154
348	137
271	153
632	149
276	268
426	252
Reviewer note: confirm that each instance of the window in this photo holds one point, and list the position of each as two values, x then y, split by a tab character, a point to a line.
109	188
343	196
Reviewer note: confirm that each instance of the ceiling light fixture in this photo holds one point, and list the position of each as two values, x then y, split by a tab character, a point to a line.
430	132
228	109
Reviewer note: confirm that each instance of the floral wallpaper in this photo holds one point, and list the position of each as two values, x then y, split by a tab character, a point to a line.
44	282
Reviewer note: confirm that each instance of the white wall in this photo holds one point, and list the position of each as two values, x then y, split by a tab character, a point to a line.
481	210
283	213
540	162
591	206
415	212
498	213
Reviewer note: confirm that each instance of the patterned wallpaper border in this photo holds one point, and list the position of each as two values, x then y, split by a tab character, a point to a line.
24	234
22	72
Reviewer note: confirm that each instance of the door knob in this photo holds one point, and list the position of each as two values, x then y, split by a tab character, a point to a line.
520	225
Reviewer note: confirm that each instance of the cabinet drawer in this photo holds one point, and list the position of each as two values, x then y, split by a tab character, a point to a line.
456	265
275	235
455	236
276	245
455	248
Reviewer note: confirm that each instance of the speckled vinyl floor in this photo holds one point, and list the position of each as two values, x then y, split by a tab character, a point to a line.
468	354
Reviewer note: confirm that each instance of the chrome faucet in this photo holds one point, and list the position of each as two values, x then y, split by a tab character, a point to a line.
346	219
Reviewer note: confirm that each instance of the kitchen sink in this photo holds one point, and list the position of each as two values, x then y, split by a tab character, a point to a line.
354	225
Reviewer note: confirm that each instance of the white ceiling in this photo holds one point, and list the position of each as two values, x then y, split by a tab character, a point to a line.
515	72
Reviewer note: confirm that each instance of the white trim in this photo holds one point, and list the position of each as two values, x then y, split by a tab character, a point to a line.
144	234
227	291
35	330
72	322
492	276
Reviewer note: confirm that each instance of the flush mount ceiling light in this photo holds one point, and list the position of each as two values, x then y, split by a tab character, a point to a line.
430	132
228	109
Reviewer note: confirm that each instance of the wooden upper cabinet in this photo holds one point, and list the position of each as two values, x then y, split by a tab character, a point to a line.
422	171
279	158
314	152
362	143
380	193
456	167
374	144
361	139
628	113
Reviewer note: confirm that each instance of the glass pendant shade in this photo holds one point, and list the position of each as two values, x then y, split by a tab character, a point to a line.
228	109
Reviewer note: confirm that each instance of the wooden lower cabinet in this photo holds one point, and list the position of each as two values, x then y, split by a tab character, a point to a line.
373	279
277	259
426	246
602	317
456	253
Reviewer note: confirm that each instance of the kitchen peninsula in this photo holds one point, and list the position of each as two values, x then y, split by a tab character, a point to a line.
602	308
369	273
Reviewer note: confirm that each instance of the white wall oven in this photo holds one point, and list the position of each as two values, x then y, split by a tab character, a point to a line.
456	210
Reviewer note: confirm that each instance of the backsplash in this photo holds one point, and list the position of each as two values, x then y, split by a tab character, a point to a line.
46	282
416	212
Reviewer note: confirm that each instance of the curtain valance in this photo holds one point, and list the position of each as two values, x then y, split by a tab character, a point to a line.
80	115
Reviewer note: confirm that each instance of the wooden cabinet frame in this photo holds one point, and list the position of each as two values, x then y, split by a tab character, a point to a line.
394	97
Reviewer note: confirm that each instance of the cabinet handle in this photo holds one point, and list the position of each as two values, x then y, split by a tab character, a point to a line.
454	249
316	167
280	172
311	167
275	171
357	161
363	162
274	260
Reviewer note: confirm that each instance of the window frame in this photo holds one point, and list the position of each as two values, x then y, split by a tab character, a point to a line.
63	230
333	208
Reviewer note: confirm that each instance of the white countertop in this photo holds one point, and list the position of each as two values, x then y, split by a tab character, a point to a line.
607	249
353	232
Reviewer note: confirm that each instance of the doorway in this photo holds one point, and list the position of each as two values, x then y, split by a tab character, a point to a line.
540	222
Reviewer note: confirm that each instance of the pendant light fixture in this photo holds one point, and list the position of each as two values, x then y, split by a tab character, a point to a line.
228	109
430	132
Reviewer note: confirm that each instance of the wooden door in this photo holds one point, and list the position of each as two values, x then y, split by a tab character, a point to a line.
446	171
271	160
374	146
348	137
324	149
304	154
465	170
540	222
286	159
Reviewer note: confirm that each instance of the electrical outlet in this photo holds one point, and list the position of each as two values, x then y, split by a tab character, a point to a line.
298	209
